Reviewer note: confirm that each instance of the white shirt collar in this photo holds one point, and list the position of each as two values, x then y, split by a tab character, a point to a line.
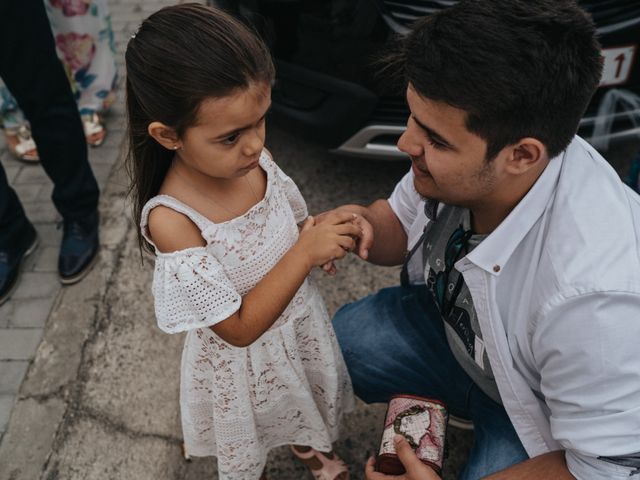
495	250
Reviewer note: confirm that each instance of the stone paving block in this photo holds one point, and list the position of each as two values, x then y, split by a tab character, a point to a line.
31	312
37	285
7	159
58	357
119	109
113	139
42	211
29	262
28	192
11	171
6	311
46	259
49	234
105	156
27	444
6	404
32	174
19	344
11	375
44	195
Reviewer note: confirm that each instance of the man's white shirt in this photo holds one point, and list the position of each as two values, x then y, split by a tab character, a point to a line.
557	291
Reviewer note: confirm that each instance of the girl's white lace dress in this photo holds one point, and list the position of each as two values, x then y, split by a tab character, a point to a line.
291	385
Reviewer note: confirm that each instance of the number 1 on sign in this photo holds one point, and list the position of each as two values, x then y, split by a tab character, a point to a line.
617	65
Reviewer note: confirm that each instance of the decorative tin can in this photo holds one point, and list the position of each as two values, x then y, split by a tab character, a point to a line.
423	423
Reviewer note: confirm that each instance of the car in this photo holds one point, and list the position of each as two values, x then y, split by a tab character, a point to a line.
329	90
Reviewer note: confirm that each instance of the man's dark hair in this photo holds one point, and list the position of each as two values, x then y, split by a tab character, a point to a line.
519	68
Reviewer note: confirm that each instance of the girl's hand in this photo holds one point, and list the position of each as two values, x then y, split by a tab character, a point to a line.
415	469
328	241
363	242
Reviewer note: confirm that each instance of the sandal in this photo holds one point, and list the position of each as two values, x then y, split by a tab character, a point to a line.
21	143
94	129
331	467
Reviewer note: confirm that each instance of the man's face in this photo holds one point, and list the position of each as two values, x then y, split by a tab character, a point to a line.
448	161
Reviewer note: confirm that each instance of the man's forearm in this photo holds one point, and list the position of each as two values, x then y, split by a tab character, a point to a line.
543	467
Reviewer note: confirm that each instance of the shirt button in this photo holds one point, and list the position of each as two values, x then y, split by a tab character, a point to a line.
496	268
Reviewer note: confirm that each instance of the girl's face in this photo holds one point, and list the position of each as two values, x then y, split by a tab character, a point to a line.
228	136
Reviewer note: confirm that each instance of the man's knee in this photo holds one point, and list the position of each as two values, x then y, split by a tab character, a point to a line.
347	323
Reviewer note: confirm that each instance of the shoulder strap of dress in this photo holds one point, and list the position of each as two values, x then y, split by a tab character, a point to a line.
173	203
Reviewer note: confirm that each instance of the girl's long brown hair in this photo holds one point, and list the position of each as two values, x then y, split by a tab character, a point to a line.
180	56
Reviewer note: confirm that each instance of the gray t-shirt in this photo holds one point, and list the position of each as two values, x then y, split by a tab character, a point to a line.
459	316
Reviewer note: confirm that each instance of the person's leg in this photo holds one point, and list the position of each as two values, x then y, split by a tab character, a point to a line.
86	47
17	131
17	237
496	445
393	342
31	70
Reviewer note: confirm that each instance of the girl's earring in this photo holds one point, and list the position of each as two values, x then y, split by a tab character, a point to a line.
175	147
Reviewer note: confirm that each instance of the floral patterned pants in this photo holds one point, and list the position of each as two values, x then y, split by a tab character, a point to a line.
86	47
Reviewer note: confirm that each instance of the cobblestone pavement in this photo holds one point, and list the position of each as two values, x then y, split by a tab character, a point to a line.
23	317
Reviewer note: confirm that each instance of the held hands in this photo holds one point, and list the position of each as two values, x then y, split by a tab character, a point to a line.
415	469
329	240
363	242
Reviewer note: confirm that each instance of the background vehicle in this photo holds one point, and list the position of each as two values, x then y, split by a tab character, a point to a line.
328	88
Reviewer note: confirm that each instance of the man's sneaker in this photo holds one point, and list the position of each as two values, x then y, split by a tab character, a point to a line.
461	423
11	260
79	249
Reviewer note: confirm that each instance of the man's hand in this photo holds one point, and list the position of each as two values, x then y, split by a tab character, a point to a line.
363	243
415	469
383	240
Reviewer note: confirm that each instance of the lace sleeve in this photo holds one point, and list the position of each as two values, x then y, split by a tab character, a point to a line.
191	290
295	198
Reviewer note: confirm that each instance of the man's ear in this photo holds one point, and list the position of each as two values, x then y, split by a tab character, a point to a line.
165	136
527	153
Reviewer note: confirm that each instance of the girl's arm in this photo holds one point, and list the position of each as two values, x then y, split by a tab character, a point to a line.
261	307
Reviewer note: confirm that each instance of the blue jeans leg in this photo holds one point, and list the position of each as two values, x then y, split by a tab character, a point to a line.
496	444
394	342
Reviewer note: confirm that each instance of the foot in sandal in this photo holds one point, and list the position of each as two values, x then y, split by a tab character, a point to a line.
323	466
94	129
21	144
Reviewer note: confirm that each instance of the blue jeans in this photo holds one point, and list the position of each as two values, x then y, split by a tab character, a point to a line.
394	342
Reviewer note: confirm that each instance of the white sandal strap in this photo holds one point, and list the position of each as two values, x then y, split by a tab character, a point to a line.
25	146
91	124
25	140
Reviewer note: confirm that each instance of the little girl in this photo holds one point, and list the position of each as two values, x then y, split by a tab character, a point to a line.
261	366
